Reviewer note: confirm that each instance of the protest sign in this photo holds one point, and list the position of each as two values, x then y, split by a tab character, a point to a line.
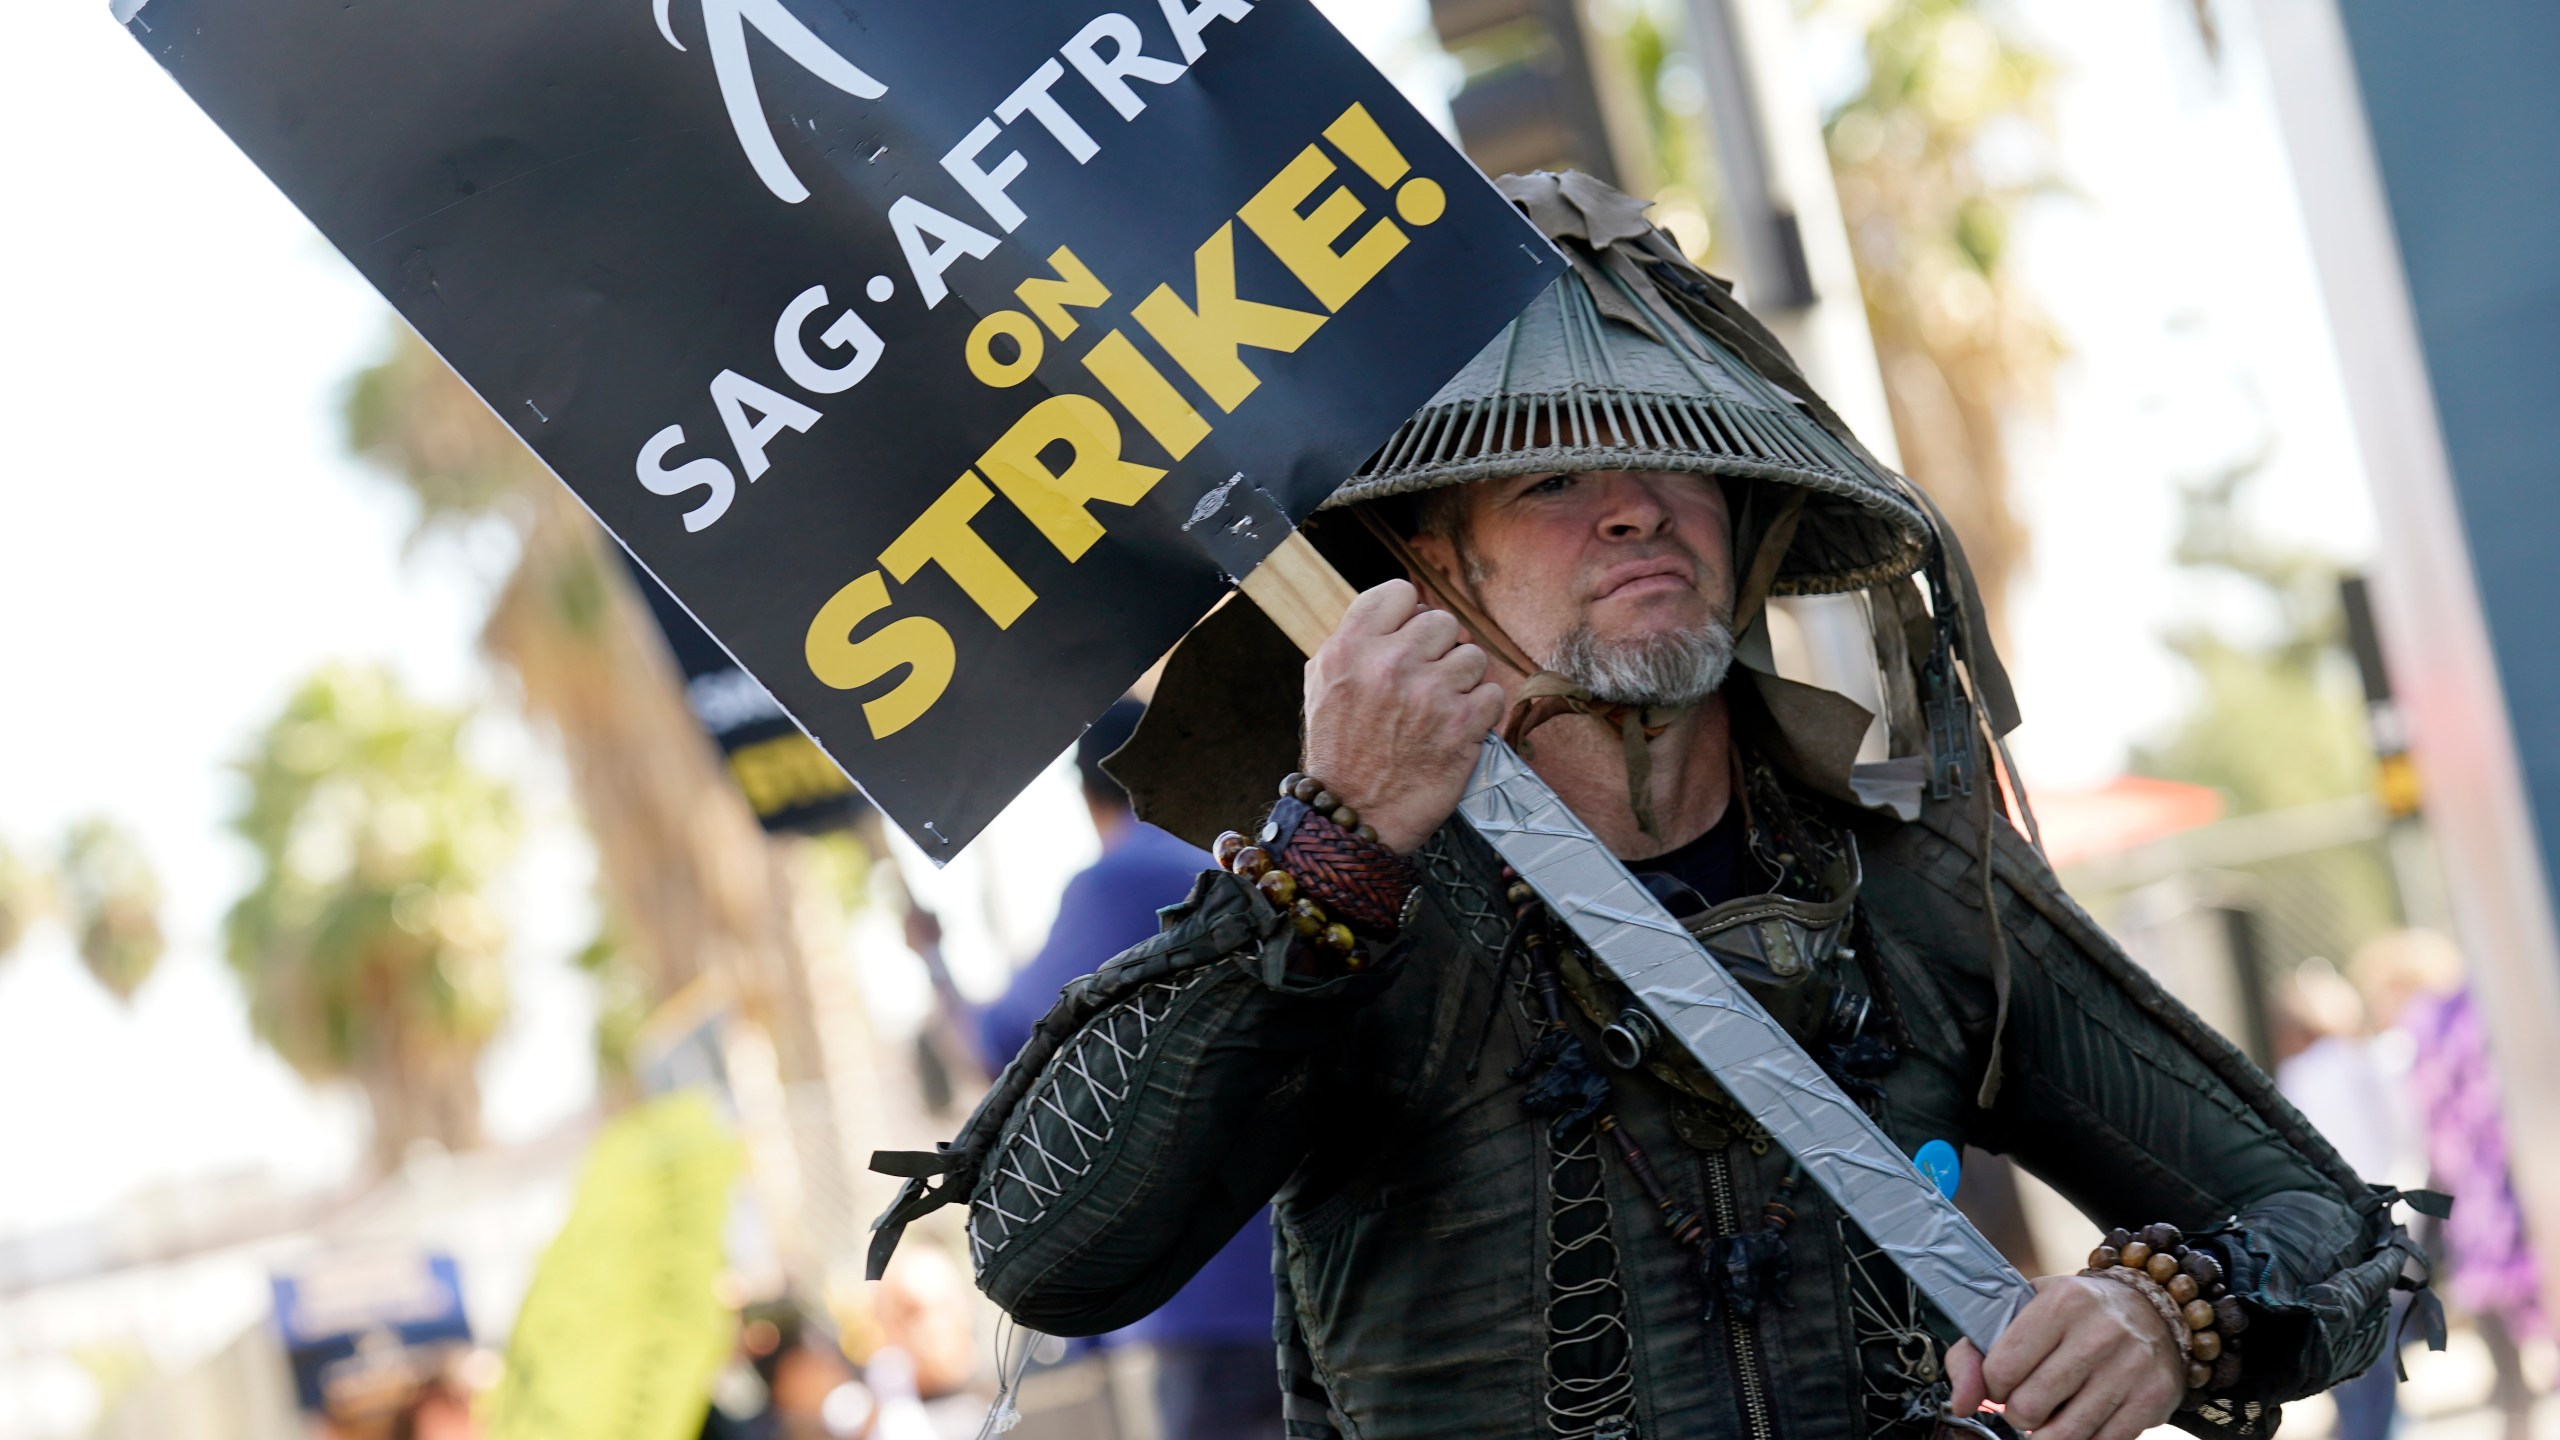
622	1328
792	787
945	360
361	1328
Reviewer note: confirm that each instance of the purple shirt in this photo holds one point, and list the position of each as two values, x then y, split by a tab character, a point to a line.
2456	1083
1105	910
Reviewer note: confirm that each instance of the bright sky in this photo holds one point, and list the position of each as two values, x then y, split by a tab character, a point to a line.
181	539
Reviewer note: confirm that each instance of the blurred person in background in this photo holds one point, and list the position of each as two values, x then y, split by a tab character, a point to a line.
913	1334
796	1370
923	1306
2354	1087
1212	1340
390	1389
2346	1079
2414	980
802	1379
441	1410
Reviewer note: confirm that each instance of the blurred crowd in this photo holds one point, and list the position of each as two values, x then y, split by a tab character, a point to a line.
2390	1060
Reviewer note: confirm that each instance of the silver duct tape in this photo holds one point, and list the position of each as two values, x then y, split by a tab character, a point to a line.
1747	1051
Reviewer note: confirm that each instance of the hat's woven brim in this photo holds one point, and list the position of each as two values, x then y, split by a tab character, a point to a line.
1853	536
1566	387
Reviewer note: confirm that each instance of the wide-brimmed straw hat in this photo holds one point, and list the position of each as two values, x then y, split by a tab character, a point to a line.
1638	360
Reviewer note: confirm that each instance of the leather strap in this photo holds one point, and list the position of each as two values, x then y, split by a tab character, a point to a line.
1359	882
1765	560
1445	597
1546	694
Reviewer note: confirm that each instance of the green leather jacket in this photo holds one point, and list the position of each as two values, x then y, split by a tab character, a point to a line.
1449	1266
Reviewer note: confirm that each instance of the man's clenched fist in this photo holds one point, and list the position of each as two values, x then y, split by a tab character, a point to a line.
2088	1359
1397	705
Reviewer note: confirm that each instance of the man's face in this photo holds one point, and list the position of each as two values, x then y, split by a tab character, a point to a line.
1608	562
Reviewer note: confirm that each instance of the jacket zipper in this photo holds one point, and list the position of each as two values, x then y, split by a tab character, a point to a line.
1748	1382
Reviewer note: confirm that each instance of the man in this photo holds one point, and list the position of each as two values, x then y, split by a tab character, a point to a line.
1212	1339
1487	1231
1109	906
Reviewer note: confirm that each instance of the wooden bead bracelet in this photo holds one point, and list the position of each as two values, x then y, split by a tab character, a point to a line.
2185	1284
1315	844
1240	856
1307	790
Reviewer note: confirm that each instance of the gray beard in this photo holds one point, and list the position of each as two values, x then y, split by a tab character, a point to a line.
1675	670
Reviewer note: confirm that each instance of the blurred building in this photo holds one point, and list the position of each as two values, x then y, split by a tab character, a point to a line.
159	1318
2420	142
1548	85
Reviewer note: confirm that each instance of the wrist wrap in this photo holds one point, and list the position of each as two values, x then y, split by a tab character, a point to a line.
1363	884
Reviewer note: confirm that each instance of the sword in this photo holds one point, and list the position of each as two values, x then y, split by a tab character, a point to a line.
1692	997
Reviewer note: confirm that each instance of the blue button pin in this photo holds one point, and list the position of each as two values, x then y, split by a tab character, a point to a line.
1938	1161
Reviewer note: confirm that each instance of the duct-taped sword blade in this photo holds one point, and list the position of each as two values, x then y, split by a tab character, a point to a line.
1760	1065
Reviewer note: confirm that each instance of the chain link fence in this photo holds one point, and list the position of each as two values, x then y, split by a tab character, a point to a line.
2224	914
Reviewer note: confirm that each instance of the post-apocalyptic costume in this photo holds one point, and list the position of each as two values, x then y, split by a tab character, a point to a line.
1503	1208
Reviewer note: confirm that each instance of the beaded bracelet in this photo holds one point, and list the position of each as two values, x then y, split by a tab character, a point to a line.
2185	1284
1329	872
2158	1295
1307	790
1243	858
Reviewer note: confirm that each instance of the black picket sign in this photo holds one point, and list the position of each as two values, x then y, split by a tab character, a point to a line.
792	787
945	358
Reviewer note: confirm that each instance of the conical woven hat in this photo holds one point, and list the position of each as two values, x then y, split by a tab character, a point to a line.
1637	360
1640	361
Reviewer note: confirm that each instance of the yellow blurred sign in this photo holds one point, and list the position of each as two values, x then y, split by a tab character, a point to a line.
786	773
623	1329
2396	779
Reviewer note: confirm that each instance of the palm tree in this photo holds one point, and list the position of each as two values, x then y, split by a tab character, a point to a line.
113	899
110	895
1961	347
366	943
19	890
686	872
692	887
2277	720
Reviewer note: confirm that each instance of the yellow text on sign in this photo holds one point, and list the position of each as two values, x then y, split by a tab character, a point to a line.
785	773
1069	453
